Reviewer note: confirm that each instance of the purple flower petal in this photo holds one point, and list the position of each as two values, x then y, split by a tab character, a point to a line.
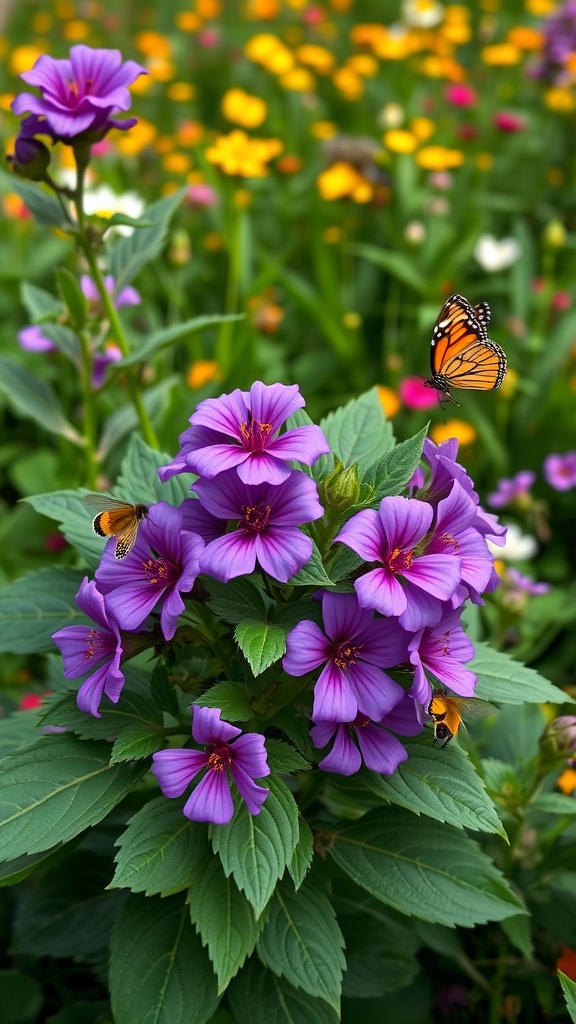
229	556
211	800
334	700
381	590
175	769
381	751
252	794
363	533
207	726
376	693
306	649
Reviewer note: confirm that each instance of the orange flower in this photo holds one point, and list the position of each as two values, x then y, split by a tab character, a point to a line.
189	133
154	44
261	10
388	400
236	153
133	142
317	57
462	431
242	108
180	92
289	164
525	37
423	128
566	783
201	372
188	21
348	83
501	55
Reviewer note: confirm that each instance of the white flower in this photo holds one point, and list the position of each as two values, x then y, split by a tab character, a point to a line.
495	254
517	547
422	13
103	201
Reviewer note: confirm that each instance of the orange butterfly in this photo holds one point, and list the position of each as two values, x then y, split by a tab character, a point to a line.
461	353
116	518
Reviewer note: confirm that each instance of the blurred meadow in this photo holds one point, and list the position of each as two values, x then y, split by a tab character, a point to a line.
330	172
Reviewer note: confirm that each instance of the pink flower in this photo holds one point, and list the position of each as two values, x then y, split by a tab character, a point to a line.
202	196
561	300
415	395
460	95
507	122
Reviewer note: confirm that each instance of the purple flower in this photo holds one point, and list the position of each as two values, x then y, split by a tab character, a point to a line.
408	583
162	565
244	758
267	520
443	650
380	750
32	339
444	469
516	589
31	157
102	361
86	648
560	471
354	650
80	94
126	297
455	533
514	490
559	45
241	430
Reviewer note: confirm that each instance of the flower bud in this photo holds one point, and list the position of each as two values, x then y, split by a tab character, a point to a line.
554	235
558	741
30	159
341	489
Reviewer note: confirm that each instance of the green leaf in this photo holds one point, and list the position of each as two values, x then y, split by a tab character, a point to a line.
135	742
502	679
223	917
313	574
123	220
75	520
139	482
397	264
73	297
125	419
36	606
168	336
231	698
390	473
553	803
35	399
255	849
131	252
235	600
303	854
423	868
43	206
283	759
18	729
441	784
257	996
159	973
39	304
376	961
55	788
64	339
569	990
301	941
115	719
261	643
161	850
517	930
359	431
21	997
14	871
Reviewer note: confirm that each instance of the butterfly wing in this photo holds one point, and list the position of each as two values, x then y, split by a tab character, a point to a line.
104	503
126	539
461	354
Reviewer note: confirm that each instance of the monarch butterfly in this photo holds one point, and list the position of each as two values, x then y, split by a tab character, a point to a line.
447	713
461	353
116	518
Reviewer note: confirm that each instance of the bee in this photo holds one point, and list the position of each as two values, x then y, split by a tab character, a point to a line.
447	712
116	518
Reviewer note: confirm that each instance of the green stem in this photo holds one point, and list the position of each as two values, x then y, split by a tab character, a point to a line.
89	412
226	331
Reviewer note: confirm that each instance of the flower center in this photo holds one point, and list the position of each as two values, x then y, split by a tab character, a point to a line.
361	721
399	560
219	758
345	654
97	645
156	571
255	435
447	538
256	517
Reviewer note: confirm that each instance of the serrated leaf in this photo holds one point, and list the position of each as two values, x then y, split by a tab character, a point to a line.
43	206
261	643
255	849
132	709
223	918
257	994
36	606
303	854
569	990
161	850
14	871
301	941
313	574
131	252
136	741
423	868
502	679
359	431
441	784
55	788
392	471
231	698
159	973
39	304
36	399
236	600
284	759
168	336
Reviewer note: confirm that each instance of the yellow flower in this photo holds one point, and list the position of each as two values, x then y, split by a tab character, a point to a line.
188	21
341	181
323	129
201	372
349	84
6	99
133	142
76	30
501	55
456	32
242	198
209	8
180	92
566	781
368	35
142	85
236	153
22	58
298	80
261	10
388	400
442	67
176	163
316	57
63	10
395	45
269	51
363	64
525	37
423	128
464	432
153	44
242	108
160	70
560	99
398	140
439	158
540	8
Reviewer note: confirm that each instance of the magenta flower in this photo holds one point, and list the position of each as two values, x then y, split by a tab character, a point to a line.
505	121
244	759
460	95
414	395
126	296
93	649
32	339
368	741
241	430
442	650
354	649
560	471
162	565
80	94
515	490
408	583
267	520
